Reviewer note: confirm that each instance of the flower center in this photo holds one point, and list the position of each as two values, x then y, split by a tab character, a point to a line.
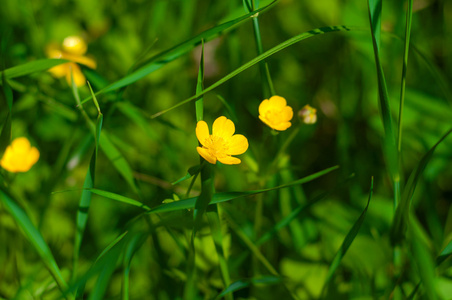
216	145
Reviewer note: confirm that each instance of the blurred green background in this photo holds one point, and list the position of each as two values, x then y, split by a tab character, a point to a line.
334	72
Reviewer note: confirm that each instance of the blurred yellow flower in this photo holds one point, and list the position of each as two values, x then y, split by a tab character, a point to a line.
19	156
276	113
308	114
222	143
73	49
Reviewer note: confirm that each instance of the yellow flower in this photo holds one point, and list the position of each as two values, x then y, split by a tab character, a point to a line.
276	113
19	156
222	143
308	114
73	49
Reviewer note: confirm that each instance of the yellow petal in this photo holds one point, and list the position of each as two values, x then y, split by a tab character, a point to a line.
238	144
83	60
202	132
264	107
287	113
277	102
20	145
282	126
32	157
60	70
223	127
206	155
229	160
79	78
266	121
75	45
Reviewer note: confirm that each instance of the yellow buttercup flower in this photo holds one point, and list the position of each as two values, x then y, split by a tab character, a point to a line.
308	114
222	143
73	49
19	156
276	113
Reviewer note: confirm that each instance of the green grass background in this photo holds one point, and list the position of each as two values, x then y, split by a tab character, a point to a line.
310	241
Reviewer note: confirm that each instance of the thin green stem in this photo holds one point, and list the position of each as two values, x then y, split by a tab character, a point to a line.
404	69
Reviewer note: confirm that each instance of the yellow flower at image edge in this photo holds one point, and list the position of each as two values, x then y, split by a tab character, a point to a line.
276	113
222	143
19	156
73	49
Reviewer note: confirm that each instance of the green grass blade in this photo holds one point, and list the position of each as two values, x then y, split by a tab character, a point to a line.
244	283
132	247
5	136
400	219
35	238
160	60
85	199
348	240
423	259
288	219
217	197
7	92
404	69
119	198
389	148
228	196
252	247
217	236
33	67
445	254
261	57
267	84
118	161
109	256
199	104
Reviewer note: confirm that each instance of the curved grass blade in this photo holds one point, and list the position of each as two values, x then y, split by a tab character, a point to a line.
107	258
7	92
347	241
259	58
399	224
132	247
207	192
228	196
5	137
423	260
35	238
85	199
404	69
389	148
244	283
119	198
267	83
33	67
217	197
445	254
160	60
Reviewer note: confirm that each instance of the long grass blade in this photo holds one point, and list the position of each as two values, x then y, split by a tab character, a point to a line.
349	238
423	259
404	70
160	60
35	238
401	215
445	254
244	283
217	198
85	199
33	67
260	58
